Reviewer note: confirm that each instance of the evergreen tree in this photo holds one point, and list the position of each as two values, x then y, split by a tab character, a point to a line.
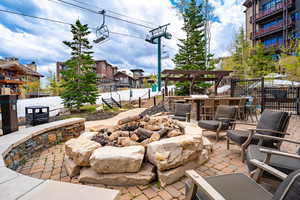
247	61
191	55
80	81
54	86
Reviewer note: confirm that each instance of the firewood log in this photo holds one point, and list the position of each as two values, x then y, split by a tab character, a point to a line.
129	119
143	133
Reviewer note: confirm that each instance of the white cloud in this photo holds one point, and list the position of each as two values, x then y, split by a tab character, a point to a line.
231	16
41	41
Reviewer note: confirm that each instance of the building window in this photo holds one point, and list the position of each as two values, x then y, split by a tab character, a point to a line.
273	41
270	4
272	23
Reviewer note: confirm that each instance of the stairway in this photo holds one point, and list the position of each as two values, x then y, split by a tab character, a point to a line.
111	103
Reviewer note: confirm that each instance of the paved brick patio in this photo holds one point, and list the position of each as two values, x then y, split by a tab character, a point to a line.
48	164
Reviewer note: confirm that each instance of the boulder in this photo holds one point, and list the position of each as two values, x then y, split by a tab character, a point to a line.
173	175
174	152
71	168
203	157
111	159
88	135
174	133
145	176
80	150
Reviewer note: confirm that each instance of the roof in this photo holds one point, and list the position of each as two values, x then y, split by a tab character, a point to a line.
31	72
247	3
137	70
123	73
15	65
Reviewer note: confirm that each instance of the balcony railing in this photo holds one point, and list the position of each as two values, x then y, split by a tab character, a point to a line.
271	29
274	9
274	45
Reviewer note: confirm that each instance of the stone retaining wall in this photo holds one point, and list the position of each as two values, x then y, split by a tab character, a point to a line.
19	154
16	147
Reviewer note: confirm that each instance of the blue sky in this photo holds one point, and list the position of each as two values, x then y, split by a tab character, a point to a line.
34	40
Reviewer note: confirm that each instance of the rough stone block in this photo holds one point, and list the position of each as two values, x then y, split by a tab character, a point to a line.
80	150
111	159
88	135
174	152
173	175
52	138
145	176
71	167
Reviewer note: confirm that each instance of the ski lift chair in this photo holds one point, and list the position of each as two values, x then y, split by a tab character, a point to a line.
102	32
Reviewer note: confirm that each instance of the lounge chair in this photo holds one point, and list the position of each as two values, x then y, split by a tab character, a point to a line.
283	161
271	123
182	112
223	120
241	187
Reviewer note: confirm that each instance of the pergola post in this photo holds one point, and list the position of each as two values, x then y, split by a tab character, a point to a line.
166	87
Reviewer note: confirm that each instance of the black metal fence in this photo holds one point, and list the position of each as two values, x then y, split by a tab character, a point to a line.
247	87
274	98
283	99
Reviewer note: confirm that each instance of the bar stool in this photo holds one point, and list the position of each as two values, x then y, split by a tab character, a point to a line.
241	108
208	109
251	109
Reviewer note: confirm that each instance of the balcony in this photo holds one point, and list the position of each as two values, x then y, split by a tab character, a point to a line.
274	10
272	29
275	45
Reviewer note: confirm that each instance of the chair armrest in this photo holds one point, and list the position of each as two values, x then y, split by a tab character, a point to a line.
276	138
204	186
224	118
244	123
271	131
280	153
269	169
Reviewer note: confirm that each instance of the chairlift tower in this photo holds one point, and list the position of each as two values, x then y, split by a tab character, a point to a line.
154	37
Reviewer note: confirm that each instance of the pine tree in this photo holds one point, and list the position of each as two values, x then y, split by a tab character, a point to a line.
191	55
80	81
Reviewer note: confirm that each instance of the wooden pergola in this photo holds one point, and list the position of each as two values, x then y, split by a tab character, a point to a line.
194	76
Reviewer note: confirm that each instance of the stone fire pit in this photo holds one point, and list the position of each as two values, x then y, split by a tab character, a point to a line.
137	151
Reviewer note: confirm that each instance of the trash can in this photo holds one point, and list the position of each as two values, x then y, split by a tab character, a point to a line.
9	113
36	115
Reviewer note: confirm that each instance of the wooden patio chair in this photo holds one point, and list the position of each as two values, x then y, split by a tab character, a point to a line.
282	161
241	187
182	112
223	120
271	123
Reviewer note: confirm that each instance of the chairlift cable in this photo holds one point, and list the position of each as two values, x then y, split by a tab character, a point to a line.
110	16
64	23
120	14
41	18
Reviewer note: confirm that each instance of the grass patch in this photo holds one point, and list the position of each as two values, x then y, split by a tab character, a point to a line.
89	108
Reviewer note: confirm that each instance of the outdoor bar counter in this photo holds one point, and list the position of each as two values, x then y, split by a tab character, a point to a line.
197	102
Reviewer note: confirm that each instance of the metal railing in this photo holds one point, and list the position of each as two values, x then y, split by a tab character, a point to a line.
274	9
